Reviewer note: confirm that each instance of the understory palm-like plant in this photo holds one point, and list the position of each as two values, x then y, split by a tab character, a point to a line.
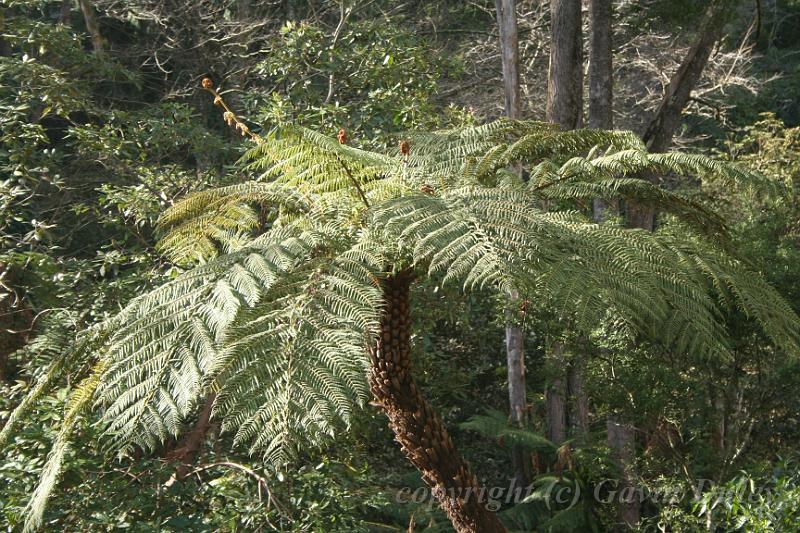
297	287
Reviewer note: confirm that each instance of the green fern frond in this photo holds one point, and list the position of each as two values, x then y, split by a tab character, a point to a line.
488	236
315	163
166	341
200	226
78	401
298	363
494	424
67	354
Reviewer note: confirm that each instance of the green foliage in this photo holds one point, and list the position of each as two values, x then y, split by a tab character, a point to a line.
758	503
277	324
374	77
264	273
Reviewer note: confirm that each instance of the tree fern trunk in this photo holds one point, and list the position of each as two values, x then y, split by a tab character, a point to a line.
188	450
419	430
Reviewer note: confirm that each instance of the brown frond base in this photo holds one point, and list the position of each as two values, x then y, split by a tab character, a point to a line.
419	430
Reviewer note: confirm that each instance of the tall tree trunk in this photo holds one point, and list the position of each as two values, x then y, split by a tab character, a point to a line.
90	18
515	343
565	76
517	397
661	130
509	52
564	107
601	79
578	412
418	429
622	444
556	401
601	97
601	74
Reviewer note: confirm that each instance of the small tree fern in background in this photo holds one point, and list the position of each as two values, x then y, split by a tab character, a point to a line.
294	302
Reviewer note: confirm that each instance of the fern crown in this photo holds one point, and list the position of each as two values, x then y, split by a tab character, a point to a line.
280	296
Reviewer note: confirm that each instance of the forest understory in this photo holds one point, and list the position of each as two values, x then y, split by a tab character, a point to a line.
371	266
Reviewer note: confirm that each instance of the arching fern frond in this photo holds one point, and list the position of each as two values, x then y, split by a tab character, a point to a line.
78	401
164	343
315	163
296	364
499	237
66	353
206	223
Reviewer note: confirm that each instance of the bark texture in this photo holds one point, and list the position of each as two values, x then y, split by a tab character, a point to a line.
621	442
601	79
564	107
556	411
420	432
188	450
517	398
565	76
578	412
601	82
667	120
556	402
661	130
509	53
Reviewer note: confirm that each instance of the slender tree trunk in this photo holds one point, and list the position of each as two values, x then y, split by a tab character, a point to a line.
601	97
622	444
509	52
418	429
601	74
517	396
565	76
555	399
92	26
662	128
515	343
578	412
556	402
564	107
601	79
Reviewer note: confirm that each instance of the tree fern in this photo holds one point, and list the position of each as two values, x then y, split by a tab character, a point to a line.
278	315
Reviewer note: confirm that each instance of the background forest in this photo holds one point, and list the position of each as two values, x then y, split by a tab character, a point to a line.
106	124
